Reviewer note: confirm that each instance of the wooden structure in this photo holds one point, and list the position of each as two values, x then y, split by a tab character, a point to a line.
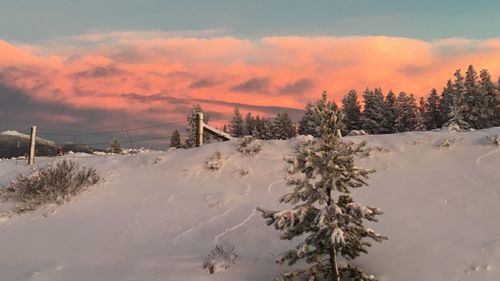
201	127
31	159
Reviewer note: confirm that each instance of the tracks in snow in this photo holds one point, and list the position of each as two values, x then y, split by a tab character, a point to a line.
216	239
478	160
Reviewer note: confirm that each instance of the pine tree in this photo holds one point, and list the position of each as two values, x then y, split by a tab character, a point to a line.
497	122
390	113
352	111
373	117
323	212
191	128
115	147
267	131
257	130
432	118
446	102
175	139
407	113
456	119
307	125
249	124
489	101
421	112
283	127
236	125
473	98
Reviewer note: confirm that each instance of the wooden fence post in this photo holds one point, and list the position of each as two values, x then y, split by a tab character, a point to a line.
31	158
199	129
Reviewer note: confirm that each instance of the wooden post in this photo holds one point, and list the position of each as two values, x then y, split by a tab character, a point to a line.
199	129
31	159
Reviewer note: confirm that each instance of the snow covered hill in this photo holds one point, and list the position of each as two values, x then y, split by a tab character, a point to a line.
158	214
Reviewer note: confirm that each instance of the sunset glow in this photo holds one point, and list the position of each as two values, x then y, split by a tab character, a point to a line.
161	76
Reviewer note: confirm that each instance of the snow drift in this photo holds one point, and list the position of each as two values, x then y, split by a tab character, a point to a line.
157	215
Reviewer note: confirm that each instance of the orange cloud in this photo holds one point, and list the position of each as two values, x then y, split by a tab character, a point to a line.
162	76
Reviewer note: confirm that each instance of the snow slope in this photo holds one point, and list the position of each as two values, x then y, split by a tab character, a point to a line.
158	214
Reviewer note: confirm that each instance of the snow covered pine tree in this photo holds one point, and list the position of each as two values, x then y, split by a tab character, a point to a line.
323	173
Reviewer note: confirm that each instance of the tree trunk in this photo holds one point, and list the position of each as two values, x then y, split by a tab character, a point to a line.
333	264
333	253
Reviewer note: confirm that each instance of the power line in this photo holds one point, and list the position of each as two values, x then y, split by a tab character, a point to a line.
112	132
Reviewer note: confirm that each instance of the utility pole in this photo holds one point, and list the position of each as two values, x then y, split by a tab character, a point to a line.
31	159
130	140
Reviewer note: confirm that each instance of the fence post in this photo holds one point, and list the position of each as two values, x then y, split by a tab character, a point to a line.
31	158
199	129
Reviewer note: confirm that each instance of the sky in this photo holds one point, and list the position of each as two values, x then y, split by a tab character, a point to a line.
90	66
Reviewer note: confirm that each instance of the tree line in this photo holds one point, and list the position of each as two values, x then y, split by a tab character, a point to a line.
466	102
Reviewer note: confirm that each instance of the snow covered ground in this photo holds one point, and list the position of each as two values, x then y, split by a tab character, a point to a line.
158	214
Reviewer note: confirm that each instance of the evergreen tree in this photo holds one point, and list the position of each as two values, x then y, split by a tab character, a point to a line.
115	147
263	128
283	127
236	125
446	102
323	212
373	117
456	119
267	132
257	130
352	111
307	125
407	112
489	100
390	113
249	125
497	122
421	112
473	99
432	118
175	139
191	128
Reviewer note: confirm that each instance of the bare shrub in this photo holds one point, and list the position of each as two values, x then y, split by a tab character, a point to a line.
249	146
215	161
446	142
55	183
493	140
220	258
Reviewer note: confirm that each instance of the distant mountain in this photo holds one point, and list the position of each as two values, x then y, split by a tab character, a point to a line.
15	144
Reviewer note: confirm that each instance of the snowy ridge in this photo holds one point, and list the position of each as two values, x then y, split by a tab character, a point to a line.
158	214
24	136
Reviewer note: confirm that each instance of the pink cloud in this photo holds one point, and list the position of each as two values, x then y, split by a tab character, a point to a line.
100	70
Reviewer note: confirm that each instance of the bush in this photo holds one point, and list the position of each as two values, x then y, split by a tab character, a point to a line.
248	146
220	258
55	183
493	140
446	142
215	161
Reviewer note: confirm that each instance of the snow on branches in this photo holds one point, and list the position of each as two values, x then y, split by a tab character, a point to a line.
323	173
